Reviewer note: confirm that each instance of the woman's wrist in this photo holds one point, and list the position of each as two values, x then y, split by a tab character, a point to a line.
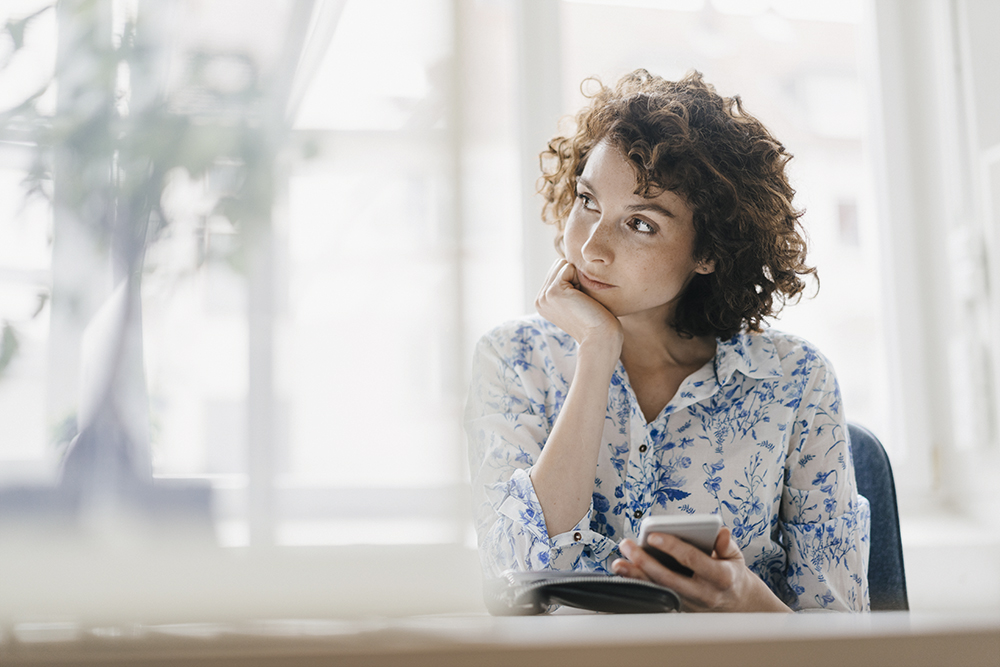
765	599
602	347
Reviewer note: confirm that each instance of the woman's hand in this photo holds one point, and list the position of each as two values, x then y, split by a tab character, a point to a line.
720	582
561	302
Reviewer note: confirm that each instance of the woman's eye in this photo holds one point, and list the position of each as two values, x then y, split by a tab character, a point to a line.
641	226
588	203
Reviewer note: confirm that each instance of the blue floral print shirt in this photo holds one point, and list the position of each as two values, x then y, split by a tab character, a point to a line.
757	435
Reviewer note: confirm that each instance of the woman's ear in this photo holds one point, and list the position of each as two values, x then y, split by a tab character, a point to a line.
705	266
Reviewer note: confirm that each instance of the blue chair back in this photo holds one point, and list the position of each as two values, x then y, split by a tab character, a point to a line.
886	574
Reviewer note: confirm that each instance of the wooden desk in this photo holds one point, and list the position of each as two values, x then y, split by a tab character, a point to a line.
744	640
64	605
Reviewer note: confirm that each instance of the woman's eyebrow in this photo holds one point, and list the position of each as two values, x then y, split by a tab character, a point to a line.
651	206
633	208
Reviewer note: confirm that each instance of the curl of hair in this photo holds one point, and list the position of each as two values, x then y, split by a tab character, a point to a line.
684	137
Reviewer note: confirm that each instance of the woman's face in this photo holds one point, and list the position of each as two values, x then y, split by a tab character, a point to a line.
632	254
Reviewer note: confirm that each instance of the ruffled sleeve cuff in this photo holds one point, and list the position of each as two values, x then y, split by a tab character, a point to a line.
520	538
515	499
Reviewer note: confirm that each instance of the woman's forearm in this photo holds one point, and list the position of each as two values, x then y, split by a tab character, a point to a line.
563	475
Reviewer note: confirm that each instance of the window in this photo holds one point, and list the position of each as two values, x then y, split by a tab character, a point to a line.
315	375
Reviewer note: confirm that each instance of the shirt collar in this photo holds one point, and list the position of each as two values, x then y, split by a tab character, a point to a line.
752	354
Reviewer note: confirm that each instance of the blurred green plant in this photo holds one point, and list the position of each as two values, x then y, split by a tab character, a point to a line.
119	148
120	129
8	346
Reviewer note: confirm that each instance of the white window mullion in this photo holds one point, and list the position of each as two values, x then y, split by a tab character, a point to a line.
260	384
978	55
539	107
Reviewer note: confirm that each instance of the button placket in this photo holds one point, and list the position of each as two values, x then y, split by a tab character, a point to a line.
645	470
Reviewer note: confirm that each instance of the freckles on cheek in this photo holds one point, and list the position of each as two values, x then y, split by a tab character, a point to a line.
570	245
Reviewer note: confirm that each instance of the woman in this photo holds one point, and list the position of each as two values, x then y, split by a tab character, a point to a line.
647	384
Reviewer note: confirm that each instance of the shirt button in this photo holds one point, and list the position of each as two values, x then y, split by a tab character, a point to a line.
577	537
642	448
638	514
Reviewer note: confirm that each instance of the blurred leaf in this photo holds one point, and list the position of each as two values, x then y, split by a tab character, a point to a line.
310	149
16	28
8	346
64	430
43	298
24	115
232	208
111	155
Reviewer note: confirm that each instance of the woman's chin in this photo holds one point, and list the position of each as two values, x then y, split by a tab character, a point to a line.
609	304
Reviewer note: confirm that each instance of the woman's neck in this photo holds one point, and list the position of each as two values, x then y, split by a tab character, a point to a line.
652	343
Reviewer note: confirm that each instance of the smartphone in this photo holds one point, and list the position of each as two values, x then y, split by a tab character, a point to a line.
700	530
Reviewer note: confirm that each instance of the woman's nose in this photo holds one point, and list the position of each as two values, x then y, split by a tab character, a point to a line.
598	246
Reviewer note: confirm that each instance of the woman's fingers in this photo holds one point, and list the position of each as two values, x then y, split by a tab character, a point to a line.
554	270
654	571
555	280
625	568
726	547
704	589
568	275
559	282
683	552
549	280
634	566
551	275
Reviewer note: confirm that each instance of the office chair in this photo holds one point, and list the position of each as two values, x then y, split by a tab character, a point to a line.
886	575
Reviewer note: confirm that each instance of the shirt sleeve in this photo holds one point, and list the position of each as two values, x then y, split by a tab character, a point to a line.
507	423
824	523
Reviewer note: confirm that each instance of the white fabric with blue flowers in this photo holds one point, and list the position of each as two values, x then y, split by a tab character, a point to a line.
757	435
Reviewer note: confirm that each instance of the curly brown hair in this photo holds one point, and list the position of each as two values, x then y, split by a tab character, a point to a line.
684	137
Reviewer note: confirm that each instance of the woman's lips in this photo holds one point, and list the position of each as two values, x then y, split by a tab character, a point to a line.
590	283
